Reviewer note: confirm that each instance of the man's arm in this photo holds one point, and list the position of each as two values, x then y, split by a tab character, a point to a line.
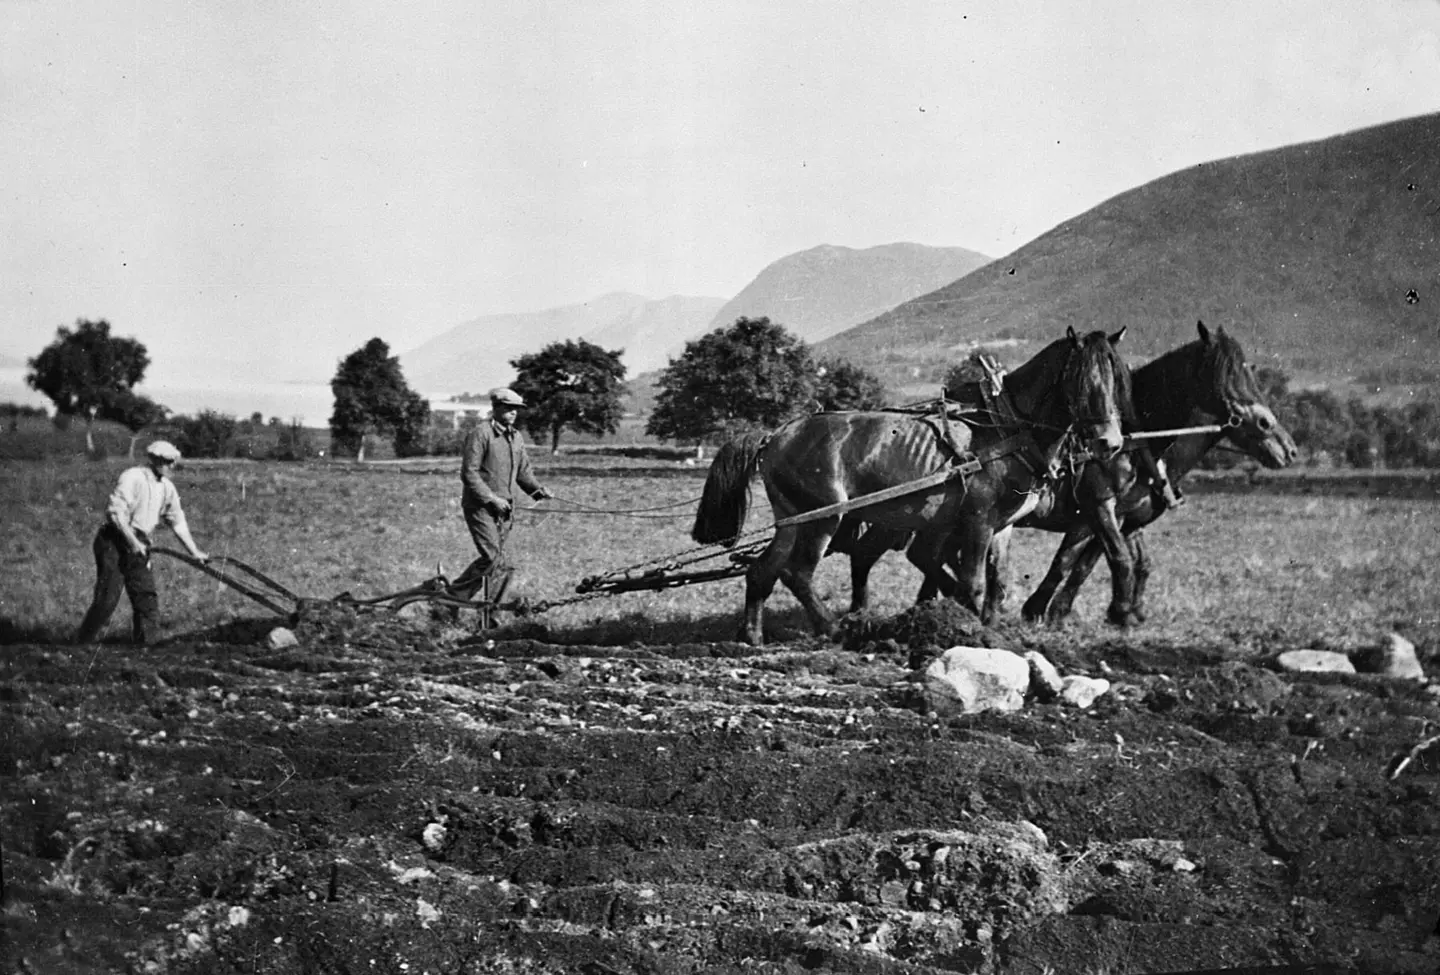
174	516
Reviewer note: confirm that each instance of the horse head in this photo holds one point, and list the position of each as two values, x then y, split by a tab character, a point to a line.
1230	393
1096	387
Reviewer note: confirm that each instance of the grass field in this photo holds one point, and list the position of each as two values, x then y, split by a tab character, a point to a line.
1263	570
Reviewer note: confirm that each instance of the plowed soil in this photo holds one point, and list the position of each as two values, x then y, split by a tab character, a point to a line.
404	796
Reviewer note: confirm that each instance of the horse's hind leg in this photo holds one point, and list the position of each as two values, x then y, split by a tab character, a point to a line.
760	582
1045	601
798	573
1082	563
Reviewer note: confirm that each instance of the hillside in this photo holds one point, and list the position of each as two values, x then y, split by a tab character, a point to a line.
827	289
475	356
653	332
1322	257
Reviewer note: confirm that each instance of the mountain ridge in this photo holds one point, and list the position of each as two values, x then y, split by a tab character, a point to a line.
1322	257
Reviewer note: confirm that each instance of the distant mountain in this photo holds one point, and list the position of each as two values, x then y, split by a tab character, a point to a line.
827	289
475	356
1322	258
654	332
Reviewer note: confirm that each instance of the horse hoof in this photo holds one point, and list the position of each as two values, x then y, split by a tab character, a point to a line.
1031	613
1125	619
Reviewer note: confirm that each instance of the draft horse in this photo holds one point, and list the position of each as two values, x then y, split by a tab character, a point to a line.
1075	390
1206	382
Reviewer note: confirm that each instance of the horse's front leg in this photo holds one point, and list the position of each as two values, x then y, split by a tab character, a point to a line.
1043	602
997	573
1122	565
798	572
1142	572
971	548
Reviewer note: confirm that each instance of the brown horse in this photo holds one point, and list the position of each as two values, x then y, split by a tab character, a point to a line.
1203	383
1073	389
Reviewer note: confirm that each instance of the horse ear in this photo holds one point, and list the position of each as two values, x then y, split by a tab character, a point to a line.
1204	332
1117	336
1070	334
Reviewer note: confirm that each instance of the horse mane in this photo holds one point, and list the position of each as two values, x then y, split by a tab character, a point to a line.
1170	384
1036	386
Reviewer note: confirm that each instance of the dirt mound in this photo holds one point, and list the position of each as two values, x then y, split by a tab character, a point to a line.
397	794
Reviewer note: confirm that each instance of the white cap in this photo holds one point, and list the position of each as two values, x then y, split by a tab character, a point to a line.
163	449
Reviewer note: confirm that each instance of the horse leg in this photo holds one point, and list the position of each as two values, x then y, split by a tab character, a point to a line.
798	573
1043	603
1122	565
997	573
760	582
970	546
927	553
1142	573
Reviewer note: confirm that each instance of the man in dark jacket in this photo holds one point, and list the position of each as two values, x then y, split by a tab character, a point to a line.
493	468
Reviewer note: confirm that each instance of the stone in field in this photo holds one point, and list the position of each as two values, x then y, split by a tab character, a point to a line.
1045	681
1315	661
968	680
1396	659
1081	692
281	639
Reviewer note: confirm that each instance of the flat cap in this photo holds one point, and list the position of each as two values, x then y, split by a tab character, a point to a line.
506	397
163	449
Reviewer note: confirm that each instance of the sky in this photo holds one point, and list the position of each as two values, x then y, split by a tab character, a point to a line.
254	190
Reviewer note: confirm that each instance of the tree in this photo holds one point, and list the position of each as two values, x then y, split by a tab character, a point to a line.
752	374
371	397
83	369
574	384
134	412
208	433
842	385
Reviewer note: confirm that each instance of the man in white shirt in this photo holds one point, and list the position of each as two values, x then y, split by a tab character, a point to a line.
142	499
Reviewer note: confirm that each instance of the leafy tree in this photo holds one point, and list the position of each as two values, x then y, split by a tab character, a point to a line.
134	412
842	385
574	384
85	368
371	397
208	433
751	374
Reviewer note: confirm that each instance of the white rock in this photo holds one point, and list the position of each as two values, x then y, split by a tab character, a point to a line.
1396	660
1081	692
281	639
1315	661
967	680
433	837
1045	680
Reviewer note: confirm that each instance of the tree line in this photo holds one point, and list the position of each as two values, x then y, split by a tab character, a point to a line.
753	374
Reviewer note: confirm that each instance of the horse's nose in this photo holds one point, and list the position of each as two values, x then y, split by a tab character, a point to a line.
1107	444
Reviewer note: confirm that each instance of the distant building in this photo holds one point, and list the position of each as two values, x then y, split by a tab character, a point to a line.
452	413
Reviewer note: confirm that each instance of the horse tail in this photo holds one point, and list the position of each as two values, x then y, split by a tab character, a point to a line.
726	499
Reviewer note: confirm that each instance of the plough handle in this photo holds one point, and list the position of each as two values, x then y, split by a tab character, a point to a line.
239	586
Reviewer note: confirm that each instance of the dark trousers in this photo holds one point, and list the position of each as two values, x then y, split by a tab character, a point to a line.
118	568
489	532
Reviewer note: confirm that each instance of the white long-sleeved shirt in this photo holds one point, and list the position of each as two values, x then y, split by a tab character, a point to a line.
143	499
